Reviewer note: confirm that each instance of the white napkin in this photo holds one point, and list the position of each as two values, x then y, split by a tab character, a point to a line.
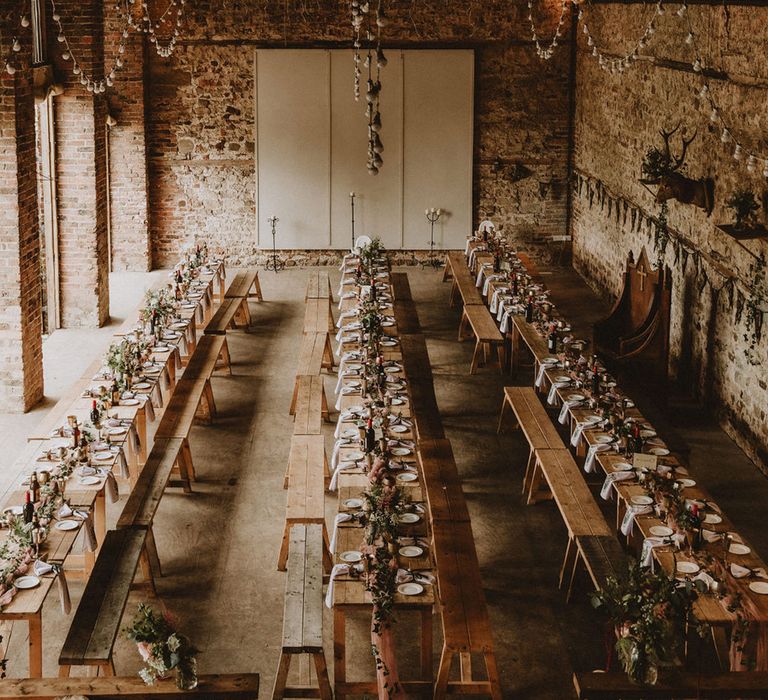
64	600
607	492
345	314
342	467
540	376
89	533
405	576
589	463
738	571
563	417
504	327
338	570
409	542
41	567
710	535
628	523
649	543
111	485
65	511
704	576
552	396
340	518
341	442
488	281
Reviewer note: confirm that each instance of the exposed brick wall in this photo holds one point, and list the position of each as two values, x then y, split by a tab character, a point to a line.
200	113
129	215
21	354
618	118
81	169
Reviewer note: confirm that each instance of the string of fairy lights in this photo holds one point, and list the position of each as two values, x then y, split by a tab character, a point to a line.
750	157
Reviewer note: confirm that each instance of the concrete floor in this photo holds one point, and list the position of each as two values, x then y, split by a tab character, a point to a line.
219	545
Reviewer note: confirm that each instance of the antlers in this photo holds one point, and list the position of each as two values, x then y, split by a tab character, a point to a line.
677	162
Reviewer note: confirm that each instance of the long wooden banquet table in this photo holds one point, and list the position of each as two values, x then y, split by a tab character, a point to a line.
120	460
724	556
349	590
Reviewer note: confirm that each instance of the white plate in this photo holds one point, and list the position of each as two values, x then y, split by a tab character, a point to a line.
760	587
351	557
659	451
411	551
90	480
142	385
354	367
647	433
103	456
576	397
160	348
152	370
26	582
387	324
179	325
687	567
349	433
389	343
550	361
603	439
738	548
353	503
409	518
399	428
686	483
562	378
591	419
641	500
400	451
661	531
393	370
14	510
397	402
67	524
413	588
117	431
622	467
129	402
712	519
354	456
354	384
407	477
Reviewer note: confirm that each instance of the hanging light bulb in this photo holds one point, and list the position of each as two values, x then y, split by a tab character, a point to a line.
704	90
697	66
682	10
10	68
751	163
714	116
737	153
689	38
765	168
25	21
726	136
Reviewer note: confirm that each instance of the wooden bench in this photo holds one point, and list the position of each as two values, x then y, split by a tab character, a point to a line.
673	683
401	287
144	499
466	628
602	556
311	405
319	286
418	371
463	284
242	284
318	317
445	495
96	622
243	686
477	318
227	316
307	474
315	354
580	513
535	423
303	613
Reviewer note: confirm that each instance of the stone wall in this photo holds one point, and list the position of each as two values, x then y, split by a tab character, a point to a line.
617	120
200	106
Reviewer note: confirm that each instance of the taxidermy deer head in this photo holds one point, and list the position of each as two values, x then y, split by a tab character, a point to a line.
663	168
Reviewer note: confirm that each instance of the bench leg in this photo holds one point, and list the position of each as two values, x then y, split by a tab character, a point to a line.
441	683
225	357
465	666
576	560
536	479
463	326
326	470
324	408
454	289
501	415
566	560
327	353
282	676
529	471
210	403
64	671
154	558
502	357
322	676
292	409
476	357
146	571
36	646
257	288
282	558
186	468
493	675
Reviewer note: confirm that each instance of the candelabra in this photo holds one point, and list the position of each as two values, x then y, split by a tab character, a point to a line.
352	196
433	216
275	264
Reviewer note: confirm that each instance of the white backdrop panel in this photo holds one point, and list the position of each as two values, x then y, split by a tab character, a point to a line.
294	146
378	205
438	137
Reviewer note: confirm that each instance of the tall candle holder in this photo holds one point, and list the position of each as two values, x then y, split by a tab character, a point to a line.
352	196
433	216
275	264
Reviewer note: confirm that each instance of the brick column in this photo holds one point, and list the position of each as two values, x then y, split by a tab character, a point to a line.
129	218
81	167
21	349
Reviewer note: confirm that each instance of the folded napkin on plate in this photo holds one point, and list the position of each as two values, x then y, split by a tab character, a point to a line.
607	492
406	576
705	577
649	544
563	417
341	442
41	567
738	571
411	541
710	535
345	314
88	471
340	518
65	511
488	280
552	396
589	462
628	523
338	570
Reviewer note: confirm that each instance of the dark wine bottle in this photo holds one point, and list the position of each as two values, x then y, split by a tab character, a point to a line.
514	285
95	416
370	437
34	488
29	509
595	381
496	262
529	309
373	290
552	339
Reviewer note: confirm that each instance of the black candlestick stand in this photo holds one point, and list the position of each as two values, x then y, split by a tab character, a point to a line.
433	216
275	264
352	196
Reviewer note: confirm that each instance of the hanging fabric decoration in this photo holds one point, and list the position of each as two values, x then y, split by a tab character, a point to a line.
375	61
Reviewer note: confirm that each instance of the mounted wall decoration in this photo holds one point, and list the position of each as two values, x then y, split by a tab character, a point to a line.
662	168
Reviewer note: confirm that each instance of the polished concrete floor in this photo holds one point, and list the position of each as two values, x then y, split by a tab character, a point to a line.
219	545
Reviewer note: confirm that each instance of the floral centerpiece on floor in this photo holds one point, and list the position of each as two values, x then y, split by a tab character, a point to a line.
162	648
649	612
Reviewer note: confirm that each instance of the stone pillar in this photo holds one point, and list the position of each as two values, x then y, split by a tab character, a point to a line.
128	194
21	349
81	166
